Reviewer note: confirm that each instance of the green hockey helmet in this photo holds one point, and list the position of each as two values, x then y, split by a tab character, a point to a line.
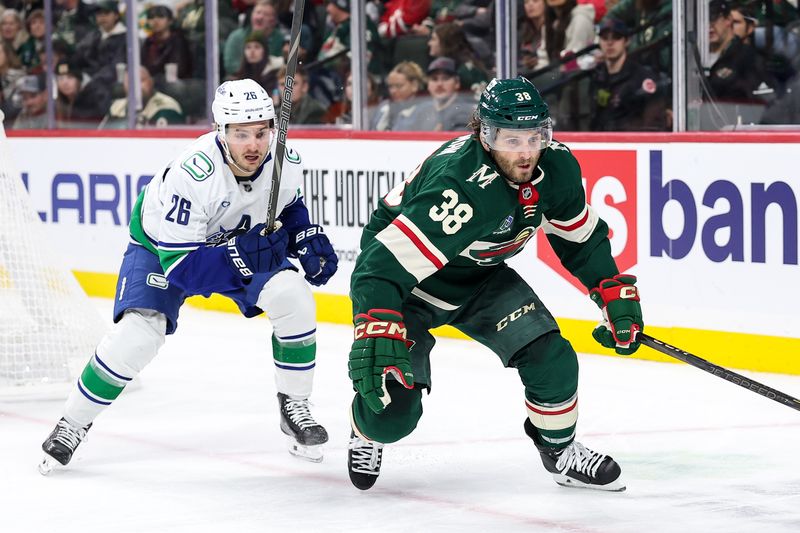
513	116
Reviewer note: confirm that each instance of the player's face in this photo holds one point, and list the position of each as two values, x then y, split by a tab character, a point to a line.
517	153
248	144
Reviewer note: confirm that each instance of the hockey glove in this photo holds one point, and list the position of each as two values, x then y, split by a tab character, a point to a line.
316	254
379	348
618	298
253	252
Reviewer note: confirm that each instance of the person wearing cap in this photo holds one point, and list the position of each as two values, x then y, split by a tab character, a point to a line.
264	19
165	45
77	105
737	73
447	109
158	109
257	64
103	48
305	109
33	116
337	39
653	21
625	95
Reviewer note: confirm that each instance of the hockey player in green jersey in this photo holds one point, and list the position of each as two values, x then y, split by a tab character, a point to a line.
434	252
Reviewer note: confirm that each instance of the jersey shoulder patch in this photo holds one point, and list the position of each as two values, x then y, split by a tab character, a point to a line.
198	165
292	156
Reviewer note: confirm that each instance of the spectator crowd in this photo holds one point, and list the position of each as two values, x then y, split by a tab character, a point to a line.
602	65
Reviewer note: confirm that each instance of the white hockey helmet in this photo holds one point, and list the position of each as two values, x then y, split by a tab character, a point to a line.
240	102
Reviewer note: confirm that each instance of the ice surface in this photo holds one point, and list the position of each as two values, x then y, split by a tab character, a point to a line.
197	448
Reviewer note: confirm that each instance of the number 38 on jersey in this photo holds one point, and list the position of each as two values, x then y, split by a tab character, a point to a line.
452	214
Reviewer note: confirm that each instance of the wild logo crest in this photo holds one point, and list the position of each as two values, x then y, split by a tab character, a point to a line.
491	253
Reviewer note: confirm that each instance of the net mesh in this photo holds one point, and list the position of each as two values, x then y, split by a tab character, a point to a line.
48	326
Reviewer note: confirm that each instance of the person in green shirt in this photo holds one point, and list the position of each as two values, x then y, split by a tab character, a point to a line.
264	19
434	253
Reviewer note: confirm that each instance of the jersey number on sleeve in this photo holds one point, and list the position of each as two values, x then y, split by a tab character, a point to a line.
450	213
182	205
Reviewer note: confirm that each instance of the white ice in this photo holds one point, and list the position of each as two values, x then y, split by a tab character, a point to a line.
197	448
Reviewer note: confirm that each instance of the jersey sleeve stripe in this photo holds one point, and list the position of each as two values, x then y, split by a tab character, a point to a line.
404	240
179	245
577	229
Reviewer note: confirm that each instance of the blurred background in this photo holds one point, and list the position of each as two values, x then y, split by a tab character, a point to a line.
401	65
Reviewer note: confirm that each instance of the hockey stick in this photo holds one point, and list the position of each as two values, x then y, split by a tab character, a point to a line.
719	371
286	110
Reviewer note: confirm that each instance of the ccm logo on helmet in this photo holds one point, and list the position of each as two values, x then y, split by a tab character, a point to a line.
528	117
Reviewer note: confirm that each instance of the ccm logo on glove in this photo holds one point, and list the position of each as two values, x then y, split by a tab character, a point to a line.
383	328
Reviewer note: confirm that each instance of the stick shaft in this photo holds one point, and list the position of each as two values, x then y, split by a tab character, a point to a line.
285	110
720	372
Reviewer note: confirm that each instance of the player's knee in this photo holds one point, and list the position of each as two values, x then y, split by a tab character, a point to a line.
548	368
398	419
289	303
133	341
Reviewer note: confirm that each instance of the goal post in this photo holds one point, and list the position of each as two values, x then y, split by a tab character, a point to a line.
48	326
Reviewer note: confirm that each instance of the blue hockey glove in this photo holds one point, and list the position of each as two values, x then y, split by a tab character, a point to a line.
316	254
618	298
379	348
253	252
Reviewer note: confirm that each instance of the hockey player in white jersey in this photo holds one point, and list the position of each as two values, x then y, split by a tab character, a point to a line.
197	228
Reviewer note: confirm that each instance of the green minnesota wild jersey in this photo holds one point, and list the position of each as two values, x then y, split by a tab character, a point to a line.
440	233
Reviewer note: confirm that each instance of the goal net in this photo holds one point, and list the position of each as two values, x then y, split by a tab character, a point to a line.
48	326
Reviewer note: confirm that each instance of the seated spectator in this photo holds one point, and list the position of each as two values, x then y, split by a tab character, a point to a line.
650	24
10	73
31	49
400	112
569	28
532	51
448	40
191	20
264	20
33	115
305	110
74	19
400	16
311	30
11	28
337	40
737	72
165	45
346	116
104	47
158	109
256	63
76	106
626	96
447	109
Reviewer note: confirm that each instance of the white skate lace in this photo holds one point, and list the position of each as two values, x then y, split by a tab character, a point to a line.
579	458
366	457
298	413
69	435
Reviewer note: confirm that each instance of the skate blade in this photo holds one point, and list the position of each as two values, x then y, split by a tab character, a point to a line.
47	465
307	453
615	486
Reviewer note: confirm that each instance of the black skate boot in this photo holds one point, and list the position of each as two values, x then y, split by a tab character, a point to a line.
364	461
578	466
61	444
306	436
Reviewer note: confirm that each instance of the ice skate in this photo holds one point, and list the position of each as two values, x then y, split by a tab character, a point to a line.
306	436
60	445
578	466
364	461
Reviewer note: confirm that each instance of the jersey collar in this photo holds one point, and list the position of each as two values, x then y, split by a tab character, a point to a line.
258	171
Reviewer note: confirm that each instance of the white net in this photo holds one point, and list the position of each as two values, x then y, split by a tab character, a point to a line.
48	326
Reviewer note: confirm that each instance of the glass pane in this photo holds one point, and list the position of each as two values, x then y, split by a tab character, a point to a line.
750	66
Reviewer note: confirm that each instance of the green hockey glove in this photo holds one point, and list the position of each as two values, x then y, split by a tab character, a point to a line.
379	348
618	298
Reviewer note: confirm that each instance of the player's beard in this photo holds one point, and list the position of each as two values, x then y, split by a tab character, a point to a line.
510	164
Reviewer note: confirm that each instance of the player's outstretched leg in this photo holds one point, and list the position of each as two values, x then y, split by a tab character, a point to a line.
364	461
307	435
61	444
578	466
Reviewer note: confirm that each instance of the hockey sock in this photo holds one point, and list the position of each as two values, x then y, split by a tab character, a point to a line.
554	422
294	365
97	387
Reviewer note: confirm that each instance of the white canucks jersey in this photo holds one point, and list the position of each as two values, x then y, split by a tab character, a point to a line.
195	200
